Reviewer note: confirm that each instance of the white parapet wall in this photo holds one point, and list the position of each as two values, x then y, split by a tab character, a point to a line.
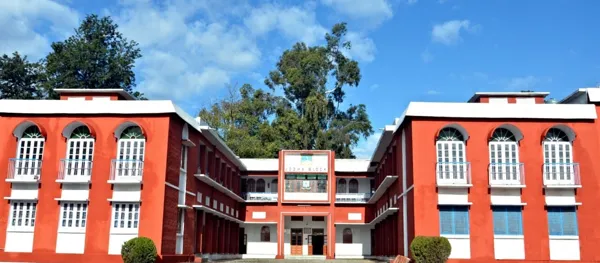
70	243
361	242
564	248
509	247
255	248
461	246
287	196
19	241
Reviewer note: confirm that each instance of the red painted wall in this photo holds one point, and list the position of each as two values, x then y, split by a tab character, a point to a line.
426	215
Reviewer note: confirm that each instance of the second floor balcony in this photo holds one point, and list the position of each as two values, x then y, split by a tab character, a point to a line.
260	197
453	174
561	175
75	171
24	170
126	171
507	175
352	197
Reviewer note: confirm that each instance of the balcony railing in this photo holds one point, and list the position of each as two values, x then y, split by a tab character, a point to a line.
126	170
506	174
75	170
453	173
264	197
24	169
561	174
352	197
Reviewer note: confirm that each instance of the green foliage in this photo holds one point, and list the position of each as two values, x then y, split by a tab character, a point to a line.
96	57
20	79
139	250
257	124
430	249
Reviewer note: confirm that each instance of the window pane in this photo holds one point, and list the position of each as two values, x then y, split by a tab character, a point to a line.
446	224
514	220
554	221
569	221
461	221
499	220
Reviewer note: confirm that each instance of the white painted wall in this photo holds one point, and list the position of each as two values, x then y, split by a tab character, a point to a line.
453	195
307	223
70	243
19	241
126	192
75	191
461	246
305	196
115	242
25	191
563	248
507	247
257	249
503	196
560	196
361	242
259	215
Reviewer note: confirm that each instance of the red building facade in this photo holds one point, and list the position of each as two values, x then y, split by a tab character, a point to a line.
504	176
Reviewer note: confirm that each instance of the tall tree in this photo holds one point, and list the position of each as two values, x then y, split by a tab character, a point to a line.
96	57
20	79
308	116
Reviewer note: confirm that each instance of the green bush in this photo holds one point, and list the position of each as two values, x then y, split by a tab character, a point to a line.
139	250
430	249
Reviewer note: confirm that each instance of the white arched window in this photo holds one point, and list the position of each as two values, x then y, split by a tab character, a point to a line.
559	168
30	150
452	166
504	158
80	153
130	153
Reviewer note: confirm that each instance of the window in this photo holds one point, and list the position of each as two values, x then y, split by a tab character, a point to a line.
318	218
274	186
130	152
504	156
454	220
562	221
341	187
73	216
265	234
353	186
507	220
22	216
126	216
260	185
80	151
558	157
184	152
297	218
251	185
347	236
451	156
29	153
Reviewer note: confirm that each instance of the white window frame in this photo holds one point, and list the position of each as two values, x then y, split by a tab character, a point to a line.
22	215
76	212
180	230
132	151
124	217
504	162
30	152
184	155
79	157
561	155
450	164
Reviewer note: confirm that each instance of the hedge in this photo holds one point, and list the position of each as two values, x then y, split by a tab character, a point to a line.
139	250
430	249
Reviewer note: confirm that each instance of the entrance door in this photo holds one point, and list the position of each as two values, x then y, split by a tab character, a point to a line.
296	241
242	241
318	241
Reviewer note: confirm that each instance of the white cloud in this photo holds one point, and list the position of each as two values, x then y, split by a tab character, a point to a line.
374	87
18	19
362	48
448	33
296	23
426	56
433	92
374	11
526	82
411	2
366	147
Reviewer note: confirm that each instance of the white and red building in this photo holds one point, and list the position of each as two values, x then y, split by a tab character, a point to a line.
504	176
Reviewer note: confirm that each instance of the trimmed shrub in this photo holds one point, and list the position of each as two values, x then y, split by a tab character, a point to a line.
430	249
139	250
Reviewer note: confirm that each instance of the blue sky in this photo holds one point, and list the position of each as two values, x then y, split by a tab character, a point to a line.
408	50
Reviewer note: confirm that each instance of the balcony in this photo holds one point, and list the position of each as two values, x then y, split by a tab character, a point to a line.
260	197
305	188
74	171
506	175
561	175
24	170
453	174
126	171
352	197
